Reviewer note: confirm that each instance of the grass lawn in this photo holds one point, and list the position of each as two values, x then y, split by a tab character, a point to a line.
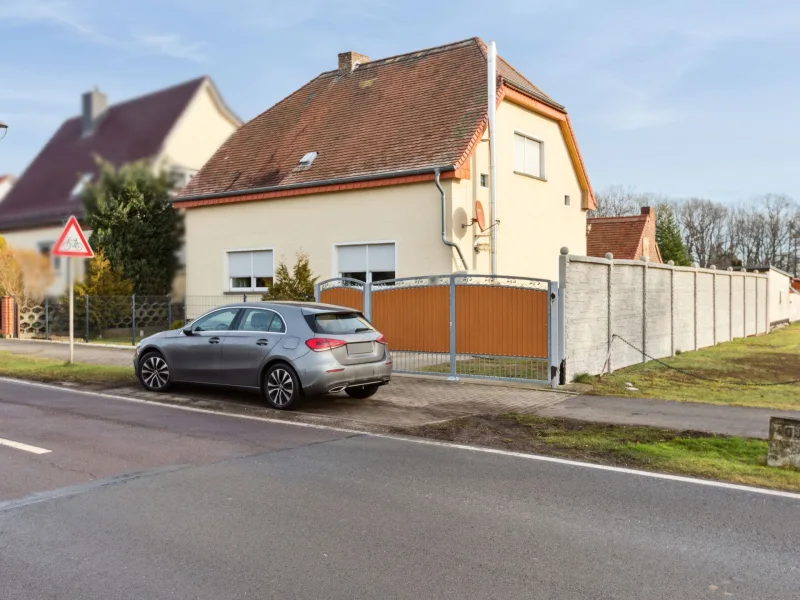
49	370
763	359
695	454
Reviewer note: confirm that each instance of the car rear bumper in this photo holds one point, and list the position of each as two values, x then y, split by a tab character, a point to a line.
320	373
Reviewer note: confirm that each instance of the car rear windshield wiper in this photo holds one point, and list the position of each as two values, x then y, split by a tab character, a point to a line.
363	329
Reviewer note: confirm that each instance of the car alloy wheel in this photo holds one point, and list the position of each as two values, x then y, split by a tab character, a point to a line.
155	372
281	387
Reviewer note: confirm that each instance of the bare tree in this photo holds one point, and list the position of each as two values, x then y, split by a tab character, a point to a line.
703	223
621	201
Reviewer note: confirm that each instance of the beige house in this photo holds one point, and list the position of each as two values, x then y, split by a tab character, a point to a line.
178	128
347	169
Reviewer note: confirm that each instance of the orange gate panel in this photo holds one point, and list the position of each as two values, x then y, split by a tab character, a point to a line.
501	321
414	319
343	296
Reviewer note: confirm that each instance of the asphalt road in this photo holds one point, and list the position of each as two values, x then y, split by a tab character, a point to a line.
165	503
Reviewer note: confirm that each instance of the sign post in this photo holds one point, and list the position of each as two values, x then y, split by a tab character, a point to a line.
72	244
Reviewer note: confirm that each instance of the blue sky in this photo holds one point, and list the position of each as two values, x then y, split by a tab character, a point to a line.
677	97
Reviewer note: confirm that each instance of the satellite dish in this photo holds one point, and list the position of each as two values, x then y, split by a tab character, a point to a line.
480	218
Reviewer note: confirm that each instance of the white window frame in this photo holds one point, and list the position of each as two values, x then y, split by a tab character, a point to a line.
542	174
335	256
228	284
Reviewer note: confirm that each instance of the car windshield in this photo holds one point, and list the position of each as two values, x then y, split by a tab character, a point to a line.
339	323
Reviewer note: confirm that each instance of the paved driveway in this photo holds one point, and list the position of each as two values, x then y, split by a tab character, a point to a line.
407	401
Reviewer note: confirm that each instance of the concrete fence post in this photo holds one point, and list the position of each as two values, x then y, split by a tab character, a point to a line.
610	309
744	302
730	304
755	314
696	266
563	260
671	308
645	269
714	301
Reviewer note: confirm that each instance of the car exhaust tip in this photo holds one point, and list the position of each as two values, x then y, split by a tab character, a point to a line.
336	390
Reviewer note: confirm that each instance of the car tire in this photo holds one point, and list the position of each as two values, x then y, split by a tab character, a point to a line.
154	373
281	387
362	392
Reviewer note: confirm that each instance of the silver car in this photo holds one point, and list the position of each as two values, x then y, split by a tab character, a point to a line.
286	349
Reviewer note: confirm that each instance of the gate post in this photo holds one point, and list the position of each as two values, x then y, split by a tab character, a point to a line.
453	374
366	301
316	292
552	332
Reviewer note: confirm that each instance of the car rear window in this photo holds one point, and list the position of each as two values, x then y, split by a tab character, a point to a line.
338	323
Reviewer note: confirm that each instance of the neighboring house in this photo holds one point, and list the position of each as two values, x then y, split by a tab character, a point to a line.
628	238
784	302
6	181
177	128
344	170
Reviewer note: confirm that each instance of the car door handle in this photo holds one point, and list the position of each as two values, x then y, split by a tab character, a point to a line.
262	342
213	340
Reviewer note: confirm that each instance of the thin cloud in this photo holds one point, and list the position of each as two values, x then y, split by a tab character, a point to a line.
173	46
60	13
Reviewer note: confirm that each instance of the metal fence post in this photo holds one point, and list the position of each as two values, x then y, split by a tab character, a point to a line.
133	320
316	292
86	321
453	374
563	266
46	318
552	332
169	311
15	316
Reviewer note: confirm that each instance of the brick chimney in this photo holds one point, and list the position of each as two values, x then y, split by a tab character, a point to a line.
94	107
349	60
646	210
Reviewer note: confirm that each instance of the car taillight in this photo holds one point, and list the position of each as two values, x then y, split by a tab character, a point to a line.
382	340
322	344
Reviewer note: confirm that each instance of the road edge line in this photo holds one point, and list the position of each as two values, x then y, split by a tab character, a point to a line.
415	440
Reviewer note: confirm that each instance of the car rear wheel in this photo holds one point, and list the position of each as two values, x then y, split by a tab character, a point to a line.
281	388
362	392
154	372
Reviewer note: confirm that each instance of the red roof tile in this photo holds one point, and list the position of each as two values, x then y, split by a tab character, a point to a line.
129	131
622	236
413	111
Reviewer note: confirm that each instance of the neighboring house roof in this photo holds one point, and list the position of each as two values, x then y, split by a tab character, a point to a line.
129	131
387	118
624	237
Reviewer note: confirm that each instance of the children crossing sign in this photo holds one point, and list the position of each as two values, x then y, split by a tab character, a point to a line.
72	242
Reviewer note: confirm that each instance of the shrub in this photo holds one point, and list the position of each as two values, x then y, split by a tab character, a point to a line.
176	324
295	285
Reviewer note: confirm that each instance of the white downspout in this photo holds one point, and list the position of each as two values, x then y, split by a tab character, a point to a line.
492	99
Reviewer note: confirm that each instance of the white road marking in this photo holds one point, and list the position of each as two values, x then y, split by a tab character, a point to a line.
536	457
25	447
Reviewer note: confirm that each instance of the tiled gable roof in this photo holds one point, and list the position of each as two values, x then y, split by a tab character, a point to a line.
394	115
129	131
622	236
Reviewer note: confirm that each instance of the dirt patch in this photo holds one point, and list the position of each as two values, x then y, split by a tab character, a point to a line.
564	438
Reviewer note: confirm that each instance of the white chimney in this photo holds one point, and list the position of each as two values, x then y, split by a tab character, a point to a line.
94	107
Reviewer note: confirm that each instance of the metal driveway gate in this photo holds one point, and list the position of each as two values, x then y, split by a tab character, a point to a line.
461	325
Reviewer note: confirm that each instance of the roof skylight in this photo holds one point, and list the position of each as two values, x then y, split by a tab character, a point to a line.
306	161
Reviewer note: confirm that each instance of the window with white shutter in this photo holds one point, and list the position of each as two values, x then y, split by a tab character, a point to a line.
250	270
369	263
528	156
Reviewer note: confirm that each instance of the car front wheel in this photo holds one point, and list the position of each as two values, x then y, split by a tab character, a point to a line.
362	392
281	388
154	372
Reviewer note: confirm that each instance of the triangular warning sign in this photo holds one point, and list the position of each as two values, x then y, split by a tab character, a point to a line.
72	242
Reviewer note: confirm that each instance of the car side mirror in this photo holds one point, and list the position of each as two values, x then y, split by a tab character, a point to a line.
187	330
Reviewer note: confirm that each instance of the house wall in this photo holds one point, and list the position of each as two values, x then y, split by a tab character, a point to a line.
30	239
408	215
654	309
5	186
200	131
534	221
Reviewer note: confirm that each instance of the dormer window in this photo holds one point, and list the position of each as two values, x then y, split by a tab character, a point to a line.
77	191
306	161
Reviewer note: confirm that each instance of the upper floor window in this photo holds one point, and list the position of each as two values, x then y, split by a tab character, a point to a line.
528	156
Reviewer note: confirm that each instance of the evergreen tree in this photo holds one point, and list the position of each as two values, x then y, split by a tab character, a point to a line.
130	213
668	237
295	285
